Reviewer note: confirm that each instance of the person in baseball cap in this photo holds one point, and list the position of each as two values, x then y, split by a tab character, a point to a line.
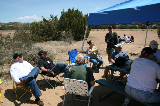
42	52
154	44
17	55
156	51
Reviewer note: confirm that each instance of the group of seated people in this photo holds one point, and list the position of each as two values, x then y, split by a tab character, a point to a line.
24	74
141	81
126	39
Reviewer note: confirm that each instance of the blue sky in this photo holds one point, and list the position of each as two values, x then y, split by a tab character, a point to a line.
33	10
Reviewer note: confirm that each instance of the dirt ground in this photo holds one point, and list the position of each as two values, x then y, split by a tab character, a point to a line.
59	50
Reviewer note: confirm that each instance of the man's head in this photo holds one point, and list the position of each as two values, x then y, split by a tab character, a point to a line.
147	53
18	57
118	47
43	54
79	59
154	45
110	29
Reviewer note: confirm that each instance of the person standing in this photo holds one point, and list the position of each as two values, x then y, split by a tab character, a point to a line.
111	39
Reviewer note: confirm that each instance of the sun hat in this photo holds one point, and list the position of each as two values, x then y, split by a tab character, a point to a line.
16	55
42	52
154	44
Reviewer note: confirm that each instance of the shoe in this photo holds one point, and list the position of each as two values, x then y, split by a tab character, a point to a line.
77	97
23	82
40	103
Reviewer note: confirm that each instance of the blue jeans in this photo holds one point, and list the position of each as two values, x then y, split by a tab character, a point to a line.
144	96
31	81
60	68
95	61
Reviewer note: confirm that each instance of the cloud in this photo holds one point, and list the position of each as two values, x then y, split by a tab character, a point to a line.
34	17
98	8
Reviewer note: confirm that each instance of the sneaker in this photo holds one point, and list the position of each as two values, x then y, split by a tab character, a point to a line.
23	82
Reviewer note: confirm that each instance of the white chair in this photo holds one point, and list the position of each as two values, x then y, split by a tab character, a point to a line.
77	87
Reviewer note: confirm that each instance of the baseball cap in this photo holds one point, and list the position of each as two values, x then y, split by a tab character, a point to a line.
16	55
147	51
118	45
154	44
42	52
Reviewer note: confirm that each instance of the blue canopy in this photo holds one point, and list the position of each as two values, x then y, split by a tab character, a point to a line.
128	12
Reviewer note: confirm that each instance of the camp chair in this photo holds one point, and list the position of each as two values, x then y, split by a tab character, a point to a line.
17	86
46	76
77	87
72	61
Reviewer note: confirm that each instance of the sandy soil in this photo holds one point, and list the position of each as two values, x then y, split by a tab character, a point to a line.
59	51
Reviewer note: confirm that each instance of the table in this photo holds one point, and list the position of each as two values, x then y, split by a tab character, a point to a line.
124	69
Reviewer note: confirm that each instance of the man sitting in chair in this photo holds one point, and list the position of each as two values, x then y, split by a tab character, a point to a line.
47	65
80	72
25	74
118	58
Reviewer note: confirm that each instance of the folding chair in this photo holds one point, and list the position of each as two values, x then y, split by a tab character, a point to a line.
72	61
77	87
17	86
46	76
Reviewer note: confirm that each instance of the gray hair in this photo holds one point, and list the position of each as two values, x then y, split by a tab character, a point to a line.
79	59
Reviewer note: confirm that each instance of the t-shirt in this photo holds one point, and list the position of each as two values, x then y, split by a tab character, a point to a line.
80	72
93	55
47	63
113	38
19	70
143	74
123	54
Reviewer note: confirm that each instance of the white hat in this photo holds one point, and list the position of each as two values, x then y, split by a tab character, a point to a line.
154	44
118	45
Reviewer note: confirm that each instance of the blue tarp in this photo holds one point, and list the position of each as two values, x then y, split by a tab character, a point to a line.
128	12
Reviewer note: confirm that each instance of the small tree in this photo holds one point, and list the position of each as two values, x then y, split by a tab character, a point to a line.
74	21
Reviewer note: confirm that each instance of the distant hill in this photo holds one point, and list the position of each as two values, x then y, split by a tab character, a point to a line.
11	23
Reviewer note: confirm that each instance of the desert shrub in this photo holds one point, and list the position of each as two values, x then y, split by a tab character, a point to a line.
45	30
67	36
20	43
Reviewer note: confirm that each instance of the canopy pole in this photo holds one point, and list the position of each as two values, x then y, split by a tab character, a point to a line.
84	38
146	37
147	32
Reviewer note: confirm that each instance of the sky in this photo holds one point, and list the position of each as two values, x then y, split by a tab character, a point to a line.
25	11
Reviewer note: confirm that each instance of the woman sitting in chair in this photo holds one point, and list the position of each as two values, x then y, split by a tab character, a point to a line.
93	52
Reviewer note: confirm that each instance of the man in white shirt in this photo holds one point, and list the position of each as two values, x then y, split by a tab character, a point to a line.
25	74
142	80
